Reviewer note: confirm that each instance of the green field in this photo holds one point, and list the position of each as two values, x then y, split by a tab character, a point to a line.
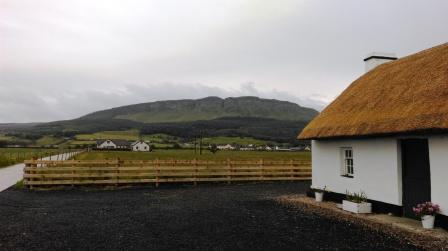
49	140
160	140
234	140
128	135
189	154
10	156
6	138
82	142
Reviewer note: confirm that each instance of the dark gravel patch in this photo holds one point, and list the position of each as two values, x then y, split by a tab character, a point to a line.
206	217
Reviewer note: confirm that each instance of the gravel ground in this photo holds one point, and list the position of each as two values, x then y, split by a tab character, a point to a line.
206	217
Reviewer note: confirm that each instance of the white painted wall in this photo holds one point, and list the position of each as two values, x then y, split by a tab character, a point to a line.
377	168
107	144
140	147
438	158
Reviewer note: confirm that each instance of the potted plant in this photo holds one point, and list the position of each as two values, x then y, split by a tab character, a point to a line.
319	193
356	203
427	212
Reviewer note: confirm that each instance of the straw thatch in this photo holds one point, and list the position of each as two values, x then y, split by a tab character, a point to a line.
406	96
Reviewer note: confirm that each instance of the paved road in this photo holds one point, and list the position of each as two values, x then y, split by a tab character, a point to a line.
11	174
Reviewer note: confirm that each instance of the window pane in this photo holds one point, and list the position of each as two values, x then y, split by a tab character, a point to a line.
347	161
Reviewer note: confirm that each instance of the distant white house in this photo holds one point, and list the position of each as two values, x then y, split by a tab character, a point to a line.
140	146
282	149
226	147
113	144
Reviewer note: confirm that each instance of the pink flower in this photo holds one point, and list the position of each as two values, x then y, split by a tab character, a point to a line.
426	208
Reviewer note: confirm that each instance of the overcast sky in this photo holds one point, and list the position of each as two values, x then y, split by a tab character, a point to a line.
62	59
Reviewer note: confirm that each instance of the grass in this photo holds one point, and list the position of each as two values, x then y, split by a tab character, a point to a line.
128	135
189	154
159	140
6	138
5	161
19	184
11	156
82	142
234	140
49	140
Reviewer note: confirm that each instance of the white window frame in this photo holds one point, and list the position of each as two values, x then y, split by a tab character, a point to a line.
347	163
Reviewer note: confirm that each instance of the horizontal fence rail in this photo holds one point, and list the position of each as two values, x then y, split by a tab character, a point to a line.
115	172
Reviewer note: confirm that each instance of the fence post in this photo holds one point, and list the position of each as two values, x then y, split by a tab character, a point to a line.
73	173
291	164
117	172
229	167
141	167
157	166
262	169
195	171
32	165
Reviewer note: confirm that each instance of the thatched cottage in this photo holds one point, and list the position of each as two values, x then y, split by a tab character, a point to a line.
387	134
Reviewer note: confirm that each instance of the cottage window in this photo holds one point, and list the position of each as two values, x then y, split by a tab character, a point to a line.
347	162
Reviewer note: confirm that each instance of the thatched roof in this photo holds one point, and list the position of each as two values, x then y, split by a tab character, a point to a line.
406	96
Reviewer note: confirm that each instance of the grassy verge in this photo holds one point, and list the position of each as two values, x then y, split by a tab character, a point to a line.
4	161
11	156
19	184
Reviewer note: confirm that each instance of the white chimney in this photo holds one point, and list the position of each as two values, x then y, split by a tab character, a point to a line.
376	58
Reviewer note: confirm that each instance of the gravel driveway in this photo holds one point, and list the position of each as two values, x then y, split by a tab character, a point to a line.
206	217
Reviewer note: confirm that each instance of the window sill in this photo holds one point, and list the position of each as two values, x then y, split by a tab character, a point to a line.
347	176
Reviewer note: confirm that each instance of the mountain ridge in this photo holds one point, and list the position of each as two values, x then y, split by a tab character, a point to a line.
248	116
187	110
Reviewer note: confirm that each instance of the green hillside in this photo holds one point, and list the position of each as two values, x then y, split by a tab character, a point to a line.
268	120
206	109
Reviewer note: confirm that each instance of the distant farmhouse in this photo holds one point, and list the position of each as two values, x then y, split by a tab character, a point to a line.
113	144
226	147
140	146
387	134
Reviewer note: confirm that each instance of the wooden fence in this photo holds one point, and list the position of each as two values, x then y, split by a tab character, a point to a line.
115	172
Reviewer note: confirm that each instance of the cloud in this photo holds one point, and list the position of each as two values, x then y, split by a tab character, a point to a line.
63	58
59	103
